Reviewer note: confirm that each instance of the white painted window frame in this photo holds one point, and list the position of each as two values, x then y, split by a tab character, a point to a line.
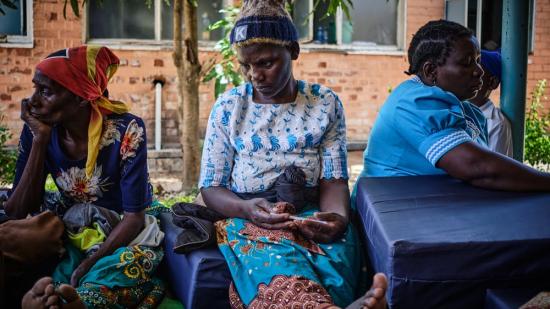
397	49
22	41
479	29
139	44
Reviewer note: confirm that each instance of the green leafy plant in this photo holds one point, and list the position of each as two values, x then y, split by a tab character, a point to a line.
8	157
168	201
537	130
224	72
333	6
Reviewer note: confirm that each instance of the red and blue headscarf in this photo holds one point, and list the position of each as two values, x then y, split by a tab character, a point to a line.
86	71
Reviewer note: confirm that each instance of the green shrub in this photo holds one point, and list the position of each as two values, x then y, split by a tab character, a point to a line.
537	130
171	200
7	157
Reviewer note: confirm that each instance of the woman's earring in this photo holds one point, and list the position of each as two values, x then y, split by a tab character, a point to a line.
434	82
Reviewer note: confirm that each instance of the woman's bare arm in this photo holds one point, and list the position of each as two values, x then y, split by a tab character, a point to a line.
484	168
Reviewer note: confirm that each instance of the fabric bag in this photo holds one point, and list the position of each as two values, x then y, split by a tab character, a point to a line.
33	239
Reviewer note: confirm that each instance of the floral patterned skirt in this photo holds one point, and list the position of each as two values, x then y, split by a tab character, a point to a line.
280	268
121	280
124	279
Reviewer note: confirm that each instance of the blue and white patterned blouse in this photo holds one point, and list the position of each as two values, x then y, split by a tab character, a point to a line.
417	125
247	145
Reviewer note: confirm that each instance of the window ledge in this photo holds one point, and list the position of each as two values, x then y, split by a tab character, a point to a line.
121	44
352	49
16	42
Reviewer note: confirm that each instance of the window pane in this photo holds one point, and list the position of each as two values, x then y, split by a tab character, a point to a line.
167	14
472	15
324	28
207	13
121	19
374	23
300	16
14	23
491	25
455	10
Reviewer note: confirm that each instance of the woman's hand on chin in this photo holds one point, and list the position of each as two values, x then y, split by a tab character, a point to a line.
41	131
258	211
326	227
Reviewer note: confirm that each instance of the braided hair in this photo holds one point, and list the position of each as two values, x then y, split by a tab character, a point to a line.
433	42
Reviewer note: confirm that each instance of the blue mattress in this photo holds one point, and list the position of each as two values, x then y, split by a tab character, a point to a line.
442	242
199	279
509	298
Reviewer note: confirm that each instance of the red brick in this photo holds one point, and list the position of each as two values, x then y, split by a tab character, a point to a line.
26	71
159	63
23	52
15	88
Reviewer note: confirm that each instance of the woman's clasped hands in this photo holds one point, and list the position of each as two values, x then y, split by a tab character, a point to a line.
323	227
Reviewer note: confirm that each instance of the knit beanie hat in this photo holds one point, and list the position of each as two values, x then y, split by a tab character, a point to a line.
492	62
263	21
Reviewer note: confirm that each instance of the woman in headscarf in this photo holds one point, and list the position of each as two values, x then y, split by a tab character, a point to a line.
96	153
281	257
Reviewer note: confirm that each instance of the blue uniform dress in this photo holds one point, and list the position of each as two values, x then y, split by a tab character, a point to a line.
247	145
417	125
120	183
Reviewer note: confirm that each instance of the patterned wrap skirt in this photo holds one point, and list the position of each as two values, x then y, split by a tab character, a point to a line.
282	269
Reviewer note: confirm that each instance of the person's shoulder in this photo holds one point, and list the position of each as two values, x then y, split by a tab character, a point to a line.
122	123
124	118
314	89
501	118
237	93
234	97
318	94
413	91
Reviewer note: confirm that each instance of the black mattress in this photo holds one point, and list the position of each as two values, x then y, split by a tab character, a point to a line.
443	243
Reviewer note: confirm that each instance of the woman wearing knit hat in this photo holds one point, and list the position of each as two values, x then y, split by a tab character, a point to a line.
302	256
97	154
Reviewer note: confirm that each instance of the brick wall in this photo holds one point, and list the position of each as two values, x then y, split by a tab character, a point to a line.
361	80
539	61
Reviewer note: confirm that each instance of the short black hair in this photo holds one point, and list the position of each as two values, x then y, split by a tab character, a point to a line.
433	41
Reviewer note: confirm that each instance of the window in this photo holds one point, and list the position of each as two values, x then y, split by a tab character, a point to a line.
16	25
374	24
132	20
484	18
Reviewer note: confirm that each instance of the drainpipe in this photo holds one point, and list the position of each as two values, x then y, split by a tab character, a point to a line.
159	83
515	25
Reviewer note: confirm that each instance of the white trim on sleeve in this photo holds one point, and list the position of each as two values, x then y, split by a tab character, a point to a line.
446	143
